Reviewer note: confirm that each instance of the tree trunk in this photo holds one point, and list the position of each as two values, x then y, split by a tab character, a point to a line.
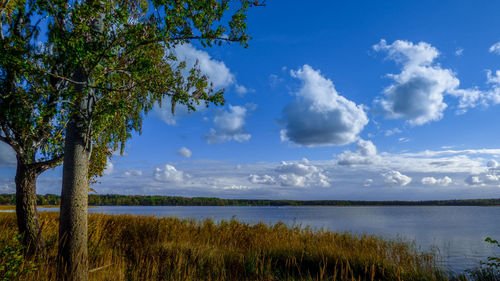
28	221
72	259
72	252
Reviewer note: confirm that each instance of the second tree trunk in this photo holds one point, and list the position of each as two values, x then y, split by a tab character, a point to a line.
26	208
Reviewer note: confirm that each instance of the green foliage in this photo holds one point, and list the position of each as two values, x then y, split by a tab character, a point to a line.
493	262
115	56
487	271
12	262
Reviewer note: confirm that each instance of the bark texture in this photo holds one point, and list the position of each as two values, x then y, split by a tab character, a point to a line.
72	254
72	251
28	221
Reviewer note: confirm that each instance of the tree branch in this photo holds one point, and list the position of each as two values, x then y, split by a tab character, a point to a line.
59	76
45	165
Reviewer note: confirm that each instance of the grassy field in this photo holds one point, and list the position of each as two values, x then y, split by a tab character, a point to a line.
127	247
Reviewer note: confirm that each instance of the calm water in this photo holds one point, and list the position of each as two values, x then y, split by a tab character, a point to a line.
457	232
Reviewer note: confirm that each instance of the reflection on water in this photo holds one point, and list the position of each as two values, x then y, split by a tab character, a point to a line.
456	234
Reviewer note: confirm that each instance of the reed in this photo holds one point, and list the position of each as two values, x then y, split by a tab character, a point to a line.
127	247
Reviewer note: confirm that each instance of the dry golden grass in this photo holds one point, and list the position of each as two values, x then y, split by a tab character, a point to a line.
149	248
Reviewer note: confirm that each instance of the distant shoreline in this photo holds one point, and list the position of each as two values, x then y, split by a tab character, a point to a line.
156	200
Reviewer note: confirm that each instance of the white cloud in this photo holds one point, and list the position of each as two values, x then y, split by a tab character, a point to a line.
229	125
301	175
4	188
241	90
366	153
471	98
368	182
490	175
436	181
495	48
168	174
473	180
492	163
264	179
274	80
493	94
184	152
393	132
417	92
319	116
396	178
108	170
301	169
217	72
437	153
468	98
307	179
235	187
132	173
294	174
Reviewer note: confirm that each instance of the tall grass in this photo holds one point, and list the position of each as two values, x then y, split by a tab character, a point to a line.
126	247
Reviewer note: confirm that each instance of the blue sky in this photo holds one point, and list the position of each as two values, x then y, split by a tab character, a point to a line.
367	100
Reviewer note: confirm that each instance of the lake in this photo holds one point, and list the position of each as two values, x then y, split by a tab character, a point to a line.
456	234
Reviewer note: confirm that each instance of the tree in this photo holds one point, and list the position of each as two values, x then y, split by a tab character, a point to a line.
31	121
34	109
118	63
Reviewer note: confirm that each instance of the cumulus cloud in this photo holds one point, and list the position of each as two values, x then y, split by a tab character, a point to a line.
492	163
366	153
396	178
306	179
301	175
490	175
264	179
417	92
319	116
436	181
473	180
229	125
217	72
168	174
294	174
495	48
108	170
184	152
492	96
470	98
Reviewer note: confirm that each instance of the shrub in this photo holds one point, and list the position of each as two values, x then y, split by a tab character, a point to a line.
12	262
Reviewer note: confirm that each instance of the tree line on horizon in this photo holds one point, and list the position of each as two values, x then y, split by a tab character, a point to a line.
158	200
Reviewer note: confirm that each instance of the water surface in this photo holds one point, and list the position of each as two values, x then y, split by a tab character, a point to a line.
456	233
